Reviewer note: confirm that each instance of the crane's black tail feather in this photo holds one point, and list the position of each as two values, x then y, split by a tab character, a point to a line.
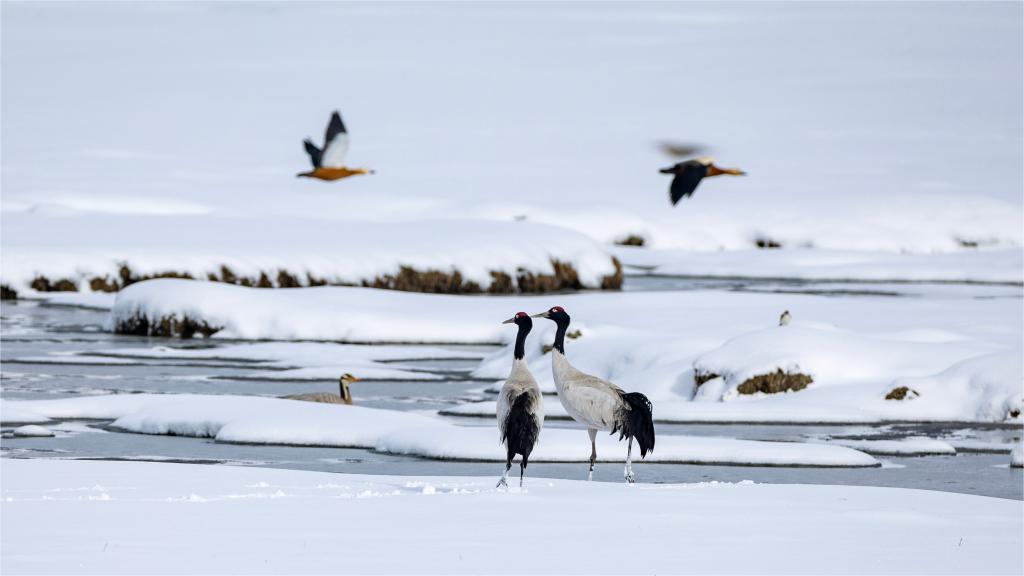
637	422
520	428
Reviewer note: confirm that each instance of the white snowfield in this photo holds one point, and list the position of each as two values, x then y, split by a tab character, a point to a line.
959	353
82	245
100	517
275	421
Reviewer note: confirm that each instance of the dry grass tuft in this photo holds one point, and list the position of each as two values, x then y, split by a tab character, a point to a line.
775	382
901	393
614	280
166	327
631	240
699	378
8	293
408	279
44	284
762	242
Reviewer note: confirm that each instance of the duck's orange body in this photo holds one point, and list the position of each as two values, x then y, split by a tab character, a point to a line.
324	173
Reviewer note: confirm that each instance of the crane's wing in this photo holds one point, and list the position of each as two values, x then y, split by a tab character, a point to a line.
335	143
504	405
313	151
594	399
686	181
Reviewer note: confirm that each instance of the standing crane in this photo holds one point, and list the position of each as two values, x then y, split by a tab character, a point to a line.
597	403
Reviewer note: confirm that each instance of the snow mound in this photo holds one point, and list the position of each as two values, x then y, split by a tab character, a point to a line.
33	430
989	387
1017	456
831	356
914	446
274	421
320	313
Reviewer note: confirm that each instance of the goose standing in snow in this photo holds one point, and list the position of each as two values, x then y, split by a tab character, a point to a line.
520	410
690	173
328	163
597	403
344	396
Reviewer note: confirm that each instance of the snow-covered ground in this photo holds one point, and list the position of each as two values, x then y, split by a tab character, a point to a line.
275	421
959	354
987	265
128	517
178	150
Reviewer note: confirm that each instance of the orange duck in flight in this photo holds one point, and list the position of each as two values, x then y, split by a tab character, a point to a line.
328	163
690	173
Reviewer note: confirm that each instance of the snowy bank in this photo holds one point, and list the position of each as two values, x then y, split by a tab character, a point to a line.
253	420
959	353
106	251
68	516
983	265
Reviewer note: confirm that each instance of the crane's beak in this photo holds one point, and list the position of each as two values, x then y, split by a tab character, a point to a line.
511	320
541	315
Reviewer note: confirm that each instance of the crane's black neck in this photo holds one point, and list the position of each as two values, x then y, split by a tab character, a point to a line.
559	345
525	325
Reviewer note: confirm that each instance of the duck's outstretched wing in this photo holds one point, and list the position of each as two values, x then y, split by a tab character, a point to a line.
313	151
335	143
686	180
681	149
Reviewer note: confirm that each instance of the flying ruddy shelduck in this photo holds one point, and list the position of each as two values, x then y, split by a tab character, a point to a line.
691	172
329	163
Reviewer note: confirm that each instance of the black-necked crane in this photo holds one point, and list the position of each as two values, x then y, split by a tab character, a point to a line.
689	174
344	395
597	403
329	162
520	409
785	318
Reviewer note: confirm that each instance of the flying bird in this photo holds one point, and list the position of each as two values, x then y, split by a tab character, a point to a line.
688	175
597	403
344	396
520	409
329	162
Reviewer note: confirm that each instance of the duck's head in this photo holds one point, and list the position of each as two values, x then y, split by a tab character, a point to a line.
344	381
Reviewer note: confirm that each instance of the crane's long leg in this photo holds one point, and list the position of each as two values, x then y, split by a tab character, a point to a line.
503	483
593	452
629	462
